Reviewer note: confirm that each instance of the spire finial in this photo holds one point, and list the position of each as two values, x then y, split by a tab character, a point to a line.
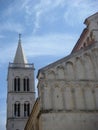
19	38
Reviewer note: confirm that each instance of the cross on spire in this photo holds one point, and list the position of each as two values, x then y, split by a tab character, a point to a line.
19	38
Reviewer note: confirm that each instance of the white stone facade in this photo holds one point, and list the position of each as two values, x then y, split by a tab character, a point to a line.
69	93
68	88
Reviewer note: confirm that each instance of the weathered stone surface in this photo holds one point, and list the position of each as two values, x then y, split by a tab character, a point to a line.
68	88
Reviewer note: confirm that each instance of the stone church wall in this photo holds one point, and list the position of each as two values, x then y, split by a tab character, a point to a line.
68	93
69	121
68	88
71	84
70	97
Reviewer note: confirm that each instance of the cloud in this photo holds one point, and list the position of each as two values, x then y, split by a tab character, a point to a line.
43	8
17	13
11	26
36	12
53	44
14	7
76	12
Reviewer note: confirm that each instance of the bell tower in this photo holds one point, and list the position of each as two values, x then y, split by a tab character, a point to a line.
20	90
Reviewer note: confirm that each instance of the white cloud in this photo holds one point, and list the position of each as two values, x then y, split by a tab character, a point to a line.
16	6
36	11
44	7
78	10
75	10
53	44
11	26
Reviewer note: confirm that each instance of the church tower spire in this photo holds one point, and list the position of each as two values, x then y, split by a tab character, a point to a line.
20	56
20	90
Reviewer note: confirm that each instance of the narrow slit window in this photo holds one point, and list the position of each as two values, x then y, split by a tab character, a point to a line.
17	109
26	84
26	109
17	84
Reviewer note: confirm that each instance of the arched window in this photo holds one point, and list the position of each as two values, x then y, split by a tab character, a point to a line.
17	109
26	109
26	84
16	84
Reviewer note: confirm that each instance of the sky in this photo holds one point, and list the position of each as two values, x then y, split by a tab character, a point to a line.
49	28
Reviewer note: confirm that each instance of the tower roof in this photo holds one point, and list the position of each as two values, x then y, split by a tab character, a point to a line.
20	56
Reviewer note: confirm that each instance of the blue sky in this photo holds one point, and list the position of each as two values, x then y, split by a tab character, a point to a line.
49	28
